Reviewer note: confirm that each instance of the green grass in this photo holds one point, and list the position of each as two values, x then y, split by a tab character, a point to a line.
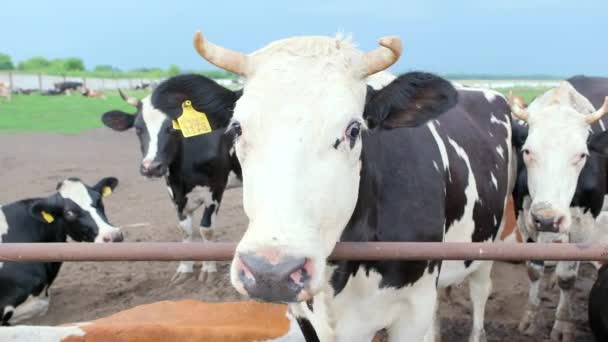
528	93
61	114
74	114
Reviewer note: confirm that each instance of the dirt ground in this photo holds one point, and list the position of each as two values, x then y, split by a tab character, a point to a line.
32	163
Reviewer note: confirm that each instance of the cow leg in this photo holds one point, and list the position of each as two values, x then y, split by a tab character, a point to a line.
434	333
185	268
563	329
528	324
417	320
480	286
209	268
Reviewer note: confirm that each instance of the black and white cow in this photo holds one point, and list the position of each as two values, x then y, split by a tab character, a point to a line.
561	182
197	169
75	210
327	159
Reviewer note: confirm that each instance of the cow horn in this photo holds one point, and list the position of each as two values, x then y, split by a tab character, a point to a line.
130	100
516	108
221	57
591	118
383	57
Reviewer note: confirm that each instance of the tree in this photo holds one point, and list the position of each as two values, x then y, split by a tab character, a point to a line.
73	64
35	64
173	70
5	62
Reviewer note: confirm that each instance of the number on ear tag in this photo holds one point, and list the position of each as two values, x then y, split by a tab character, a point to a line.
192	122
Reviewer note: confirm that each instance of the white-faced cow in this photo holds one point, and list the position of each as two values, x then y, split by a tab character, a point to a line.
561	182
75	210
325	158
197	169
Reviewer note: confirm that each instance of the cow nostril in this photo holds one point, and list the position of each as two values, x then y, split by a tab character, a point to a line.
107	239
118	237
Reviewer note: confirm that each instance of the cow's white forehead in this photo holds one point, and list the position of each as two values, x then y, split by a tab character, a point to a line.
311	82
76	191
153	117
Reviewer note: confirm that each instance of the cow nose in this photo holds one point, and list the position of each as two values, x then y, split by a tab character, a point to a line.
274	279
548	224
151	168
114	237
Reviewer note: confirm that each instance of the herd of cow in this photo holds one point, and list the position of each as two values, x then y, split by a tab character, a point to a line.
330	147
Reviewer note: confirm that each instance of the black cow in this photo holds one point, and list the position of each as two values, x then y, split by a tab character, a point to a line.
197	169
598	305
561	182
75	210
64	87
327	159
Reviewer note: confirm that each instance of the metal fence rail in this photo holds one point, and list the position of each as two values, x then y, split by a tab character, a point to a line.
175	251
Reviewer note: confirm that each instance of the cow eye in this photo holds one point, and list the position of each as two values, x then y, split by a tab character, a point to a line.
235	127
526	152
353	130
70	215
581	157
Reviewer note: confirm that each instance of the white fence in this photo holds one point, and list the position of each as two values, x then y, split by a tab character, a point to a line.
43	82
509	83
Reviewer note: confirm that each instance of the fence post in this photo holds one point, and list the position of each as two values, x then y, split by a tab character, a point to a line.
10	82
40	82
103	84
84	82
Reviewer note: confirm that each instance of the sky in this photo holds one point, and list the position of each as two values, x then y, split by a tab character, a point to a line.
517	37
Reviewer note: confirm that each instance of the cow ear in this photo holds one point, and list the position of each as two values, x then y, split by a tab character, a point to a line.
118	120
48	209
106	186
410	100
598	142
519	133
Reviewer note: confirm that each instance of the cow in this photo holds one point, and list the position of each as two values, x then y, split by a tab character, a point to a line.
67	86
90	93
561	147
5	91
76	211
325	158
197	169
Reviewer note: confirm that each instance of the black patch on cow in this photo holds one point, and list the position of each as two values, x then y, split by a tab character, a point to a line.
206	221
310	335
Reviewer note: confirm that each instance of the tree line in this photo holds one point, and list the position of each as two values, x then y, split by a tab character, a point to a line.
75	67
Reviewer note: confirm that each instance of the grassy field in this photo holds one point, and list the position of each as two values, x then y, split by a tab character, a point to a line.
61	114
73	114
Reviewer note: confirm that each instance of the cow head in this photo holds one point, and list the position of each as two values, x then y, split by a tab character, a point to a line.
555	148
80	209
299	127
158	141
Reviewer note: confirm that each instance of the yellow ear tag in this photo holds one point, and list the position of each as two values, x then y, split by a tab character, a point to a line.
191	122
47	217
106	191
175	125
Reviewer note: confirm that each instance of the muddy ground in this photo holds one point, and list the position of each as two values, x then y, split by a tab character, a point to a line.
32	163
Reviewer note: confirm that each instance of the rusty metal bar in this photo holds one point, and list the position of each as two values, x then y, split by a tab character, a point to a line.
175	251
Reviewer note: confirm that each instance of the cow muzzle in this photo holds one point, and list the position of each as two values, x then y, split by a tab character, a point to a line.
274	277
545	219
152	168
112	236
